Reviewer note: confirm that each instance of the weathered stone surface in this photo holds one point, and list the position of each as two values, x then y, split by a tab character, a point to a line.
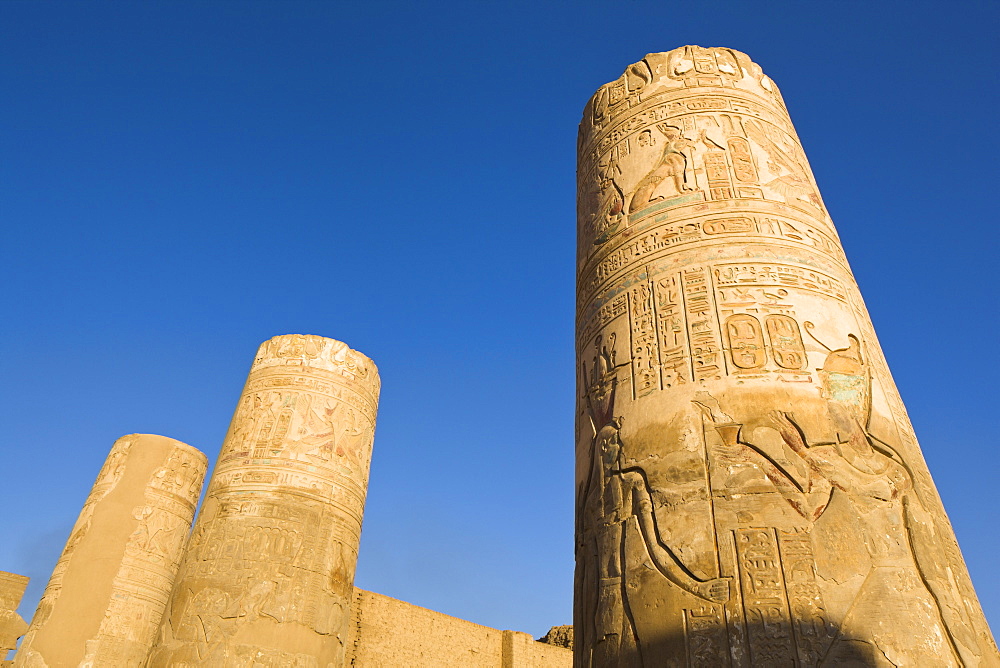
267	578
107	593
12	626
749	488
386	633
560	636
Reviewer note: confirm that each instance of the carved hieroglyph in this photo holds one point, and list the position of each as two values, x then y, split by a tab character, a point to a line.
267	577
108	591
12	626
749	488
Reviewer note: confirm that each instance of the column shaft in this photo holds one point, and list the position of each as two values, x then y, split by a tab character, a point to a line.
108	591
749	488
267	579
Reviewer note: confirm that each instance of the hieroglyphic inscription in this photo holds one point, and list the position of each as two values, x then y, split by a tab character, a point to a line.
648	242
705	636
671	328
702	329
814	631
142	586
644	118
764	603
746	341
787	348
759	319
603	314
698	66
675	331
769	274
717	173
645	349
743	167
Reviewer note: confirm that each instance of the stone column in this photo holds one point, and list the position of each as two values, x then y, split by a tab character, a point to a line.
12	626
107	593
749	488
268	576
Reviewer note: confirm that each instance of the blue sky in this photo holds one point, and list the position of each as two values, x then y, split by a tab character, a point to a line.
180	181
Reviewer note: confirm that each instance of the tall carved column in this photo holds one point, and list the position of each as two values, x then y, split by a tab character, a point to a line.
749	488
108	591
267	578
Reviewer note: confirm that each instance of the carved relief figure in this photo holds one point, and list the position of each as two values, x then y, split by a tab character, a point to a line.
673	165
154	535
892	521
791	179
606	202
614	497
904	606
325	432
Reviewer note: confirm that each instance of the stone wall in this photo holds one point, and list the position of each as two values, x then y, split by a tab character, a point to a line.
386	632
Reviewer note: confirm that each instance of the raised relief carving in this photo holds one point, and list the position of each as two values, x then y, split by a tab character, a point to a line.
877	501
774	275
698	66
786	163
672	169
297	350
619	95
645	347
746	341
787	348
769	459
619	504
671	327
674	327
702	330
717	173
653	239
743	165
610	209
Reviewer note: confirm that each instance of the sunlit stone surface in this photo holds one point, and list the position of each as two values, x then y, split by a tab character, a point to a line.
749	488
267	579
108	591
12	626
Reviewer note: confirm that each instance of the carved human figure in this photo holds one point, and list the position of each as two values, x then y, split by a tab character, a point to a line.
604	358
672	165
888	514
611	210
614	497
606	202
879	501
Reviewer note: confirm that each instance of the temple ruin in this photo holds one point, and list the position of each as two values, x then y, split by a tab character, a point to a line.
749	490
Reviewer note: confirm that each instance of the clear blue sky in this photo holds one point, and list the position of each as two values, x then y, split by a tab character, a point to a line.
180	181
